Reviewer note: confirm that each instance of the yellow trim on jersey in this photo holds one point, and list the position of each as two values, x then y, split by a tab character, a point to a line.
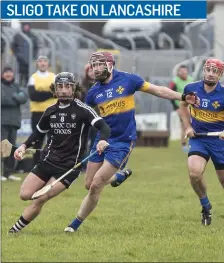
119	105
206	115
145	86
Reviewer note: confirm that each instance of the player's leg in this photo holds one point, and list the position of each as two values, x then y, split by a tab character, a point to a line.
34	209
196	167
92	168
40	176
93	165
123	173
220	174
89	203
115	156
120	177
30	185
216	147
197	160
96	162
35	118
116	180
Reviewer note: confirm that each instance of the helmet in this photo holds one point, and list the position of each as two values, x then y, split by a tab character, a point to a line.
64	87
213	71
102	64
65	77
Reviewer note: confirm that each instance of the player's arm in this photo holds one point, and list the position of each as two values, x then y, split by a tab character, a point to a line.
186	119
104	135
103	128
36	136
184	114
162	92
93	119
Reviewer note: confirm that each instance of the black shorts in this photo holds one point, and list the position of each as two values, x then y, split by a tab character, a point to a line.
45	171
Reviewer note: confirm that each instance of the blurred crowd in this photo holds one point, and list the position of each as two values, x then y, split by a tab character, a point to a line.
20	48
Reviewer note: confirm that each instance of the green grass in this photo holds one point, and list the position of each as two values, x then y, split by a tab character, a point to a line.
153	217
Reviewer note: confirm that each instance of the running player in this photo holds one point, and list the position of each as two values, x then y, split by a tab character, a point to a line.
66	124
208	117
113	94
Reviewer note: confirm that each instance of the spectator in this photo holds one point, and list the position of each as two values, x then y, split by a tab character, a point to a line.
2	50
11	98
2	45
20	47
178	84
40	95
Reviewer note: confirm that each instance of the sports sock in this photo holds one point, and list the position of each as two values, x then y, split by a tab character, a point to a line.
205	203
76	223
19	225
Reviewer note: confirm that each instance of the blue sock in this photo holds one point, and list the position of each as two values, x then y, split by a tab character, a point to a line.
120	177
205	203
76	223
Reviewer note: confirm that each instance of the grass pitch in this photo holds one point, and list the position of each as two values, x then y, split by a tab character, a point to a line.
153	217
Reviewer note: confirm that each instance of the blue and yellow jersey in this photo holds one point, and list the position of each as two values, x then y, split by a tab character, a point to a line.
116	103
209	116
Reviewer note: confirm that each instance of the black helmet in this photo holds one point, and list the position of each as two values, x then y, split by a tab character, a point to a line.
65	77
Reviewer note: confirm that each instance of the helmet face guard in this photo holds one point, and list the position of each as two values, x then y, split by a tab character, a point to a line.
213	71
102	64
64	87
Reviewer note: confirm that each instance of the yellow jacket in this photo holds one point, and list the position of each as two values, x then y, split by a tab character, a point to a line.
39	91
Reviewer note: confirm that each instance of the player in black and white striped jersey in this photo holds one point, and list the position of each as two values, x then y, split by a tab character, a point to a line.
66	125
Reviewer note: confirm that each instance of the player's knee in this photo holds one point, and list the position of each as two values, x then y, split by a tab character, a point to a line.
94	187
97	185
194	175
87	185
25	196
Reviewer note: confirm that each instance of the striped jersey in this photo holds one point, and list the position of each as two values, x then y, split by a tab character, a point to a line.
209	116
67	130
116	103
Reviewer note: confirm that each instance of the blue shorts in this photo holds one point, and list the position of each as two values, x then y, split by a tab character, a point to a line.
117	153
208	148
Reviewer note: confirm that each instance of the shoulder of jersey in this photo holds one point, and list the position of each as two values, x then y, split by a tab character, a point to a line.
222	88
124	73
77	101
194	84
80	103
51	108
95	85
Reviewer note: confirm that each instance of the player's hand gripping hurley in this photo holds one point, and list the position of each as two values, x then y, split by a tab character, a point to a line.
6	149
48	187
